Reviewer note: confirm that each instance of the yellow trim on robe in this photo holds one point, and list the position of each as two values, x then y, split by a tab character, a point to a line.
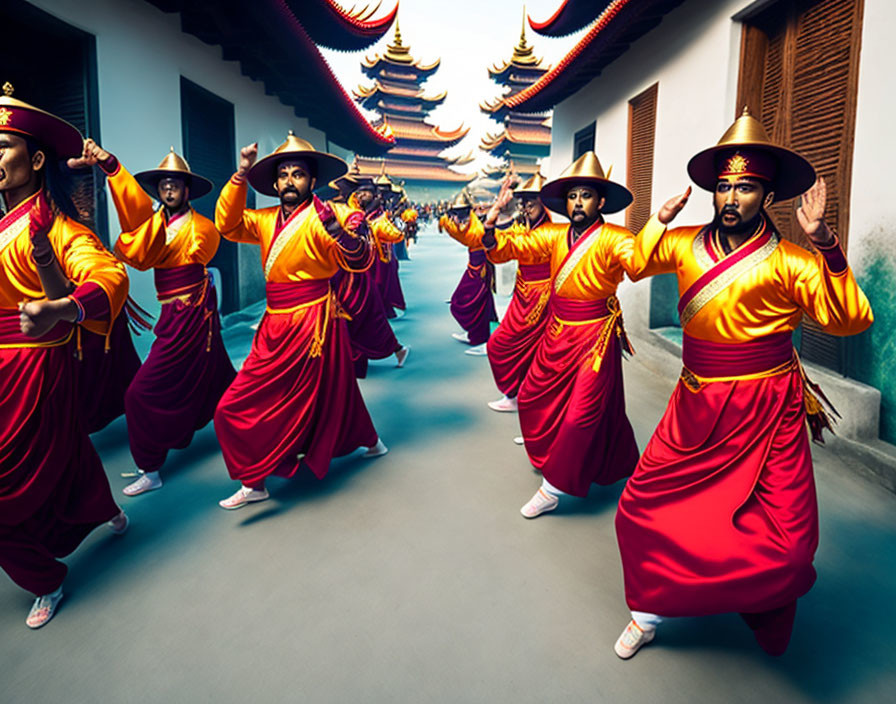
771	297
312	254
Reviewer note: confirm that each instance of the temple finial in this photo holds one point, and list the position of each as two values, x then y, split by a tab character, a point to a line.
8	89
523	30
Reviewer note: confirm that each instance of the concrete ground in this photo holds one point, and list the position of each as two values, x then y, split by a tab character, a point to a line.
413	577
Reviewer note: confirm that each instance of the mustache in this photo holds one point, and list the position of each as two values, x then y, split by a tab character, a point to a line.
728	210
289	189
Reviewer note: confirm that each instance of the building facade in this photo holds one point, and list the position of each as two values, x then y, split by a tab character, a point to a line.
655	81
141	77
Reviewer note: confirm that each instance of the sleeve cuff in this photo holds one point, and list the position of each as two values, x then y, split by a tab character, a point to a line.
833	256
92	302
110	165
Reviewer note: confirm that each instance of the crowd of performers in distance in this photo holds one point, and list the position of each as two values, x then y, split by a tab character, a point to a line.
719	511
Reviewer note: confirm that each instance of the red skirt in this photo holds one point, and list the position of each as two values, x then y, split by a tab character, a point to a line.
720	514
53	490
296	399
572	417
511	348
176	390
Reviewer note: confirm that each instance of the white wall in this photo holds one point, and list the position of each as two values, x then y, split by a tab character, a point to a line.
693	54
141	55
872	206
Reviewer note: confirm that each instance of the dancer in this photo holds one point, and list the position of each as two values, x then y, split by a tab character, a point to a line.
512	346
55	278
720	514
571	402
473	301
368	328
176	390
385	266
295	401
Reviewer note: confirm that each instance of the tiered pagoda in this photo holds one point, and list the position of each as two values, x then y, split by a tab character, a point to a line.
524	138
397	95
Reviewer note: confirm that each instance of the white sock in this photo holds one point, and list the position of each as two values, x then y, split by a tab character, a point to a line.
152	476
550	488
646	621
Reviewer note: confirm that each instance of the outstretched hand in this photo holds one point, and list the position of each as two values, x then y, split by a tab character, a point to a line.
91	155
673	207
248	155
811	214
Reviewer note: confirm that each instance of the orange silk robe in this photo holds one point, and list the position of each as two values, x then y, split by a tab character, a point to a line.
311	253
384	231
147	244
771	297
80	254
599	271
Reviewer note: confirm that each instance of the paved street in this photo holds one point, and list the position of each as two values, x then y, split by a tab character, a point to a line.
413	577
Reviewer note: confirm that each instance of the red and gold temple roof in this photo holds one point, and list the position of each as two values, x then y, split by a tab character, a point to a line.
621	23
273	45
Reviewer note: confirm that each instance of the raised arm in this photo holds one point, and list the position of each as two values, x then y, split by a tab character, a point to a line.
232	220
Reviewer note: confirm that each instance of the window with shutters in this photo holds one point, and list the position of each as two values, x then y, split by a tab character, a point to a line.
208	139
67	88
583	141
798	75
641	130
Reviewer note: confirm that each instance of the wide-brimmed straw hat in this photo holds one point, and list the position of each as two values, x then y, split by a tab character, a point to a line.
173	166
746	150
532	187
461	201
585	171
263	173
50	132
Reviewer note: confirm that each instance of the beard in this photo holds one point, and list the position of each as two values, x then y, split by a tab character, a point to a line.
740	227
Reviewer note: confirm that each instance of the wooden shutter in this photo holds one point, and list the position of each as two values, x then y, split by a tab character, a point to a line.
641	131
807	54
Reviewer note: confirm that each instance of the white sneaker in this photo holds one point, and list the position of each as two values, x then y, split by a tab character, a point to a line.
519	440
632	639
244	495
149	481
119	524
43	609
402	355
461	337
399	313
477	351
377	450
504	405
542	502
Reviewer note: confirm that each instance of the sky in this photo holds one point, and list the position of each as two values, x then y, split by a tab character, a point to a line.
468	36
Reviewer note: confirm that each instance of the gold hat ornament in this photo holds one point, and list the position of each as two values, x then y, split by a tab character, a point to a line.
585	171
461	201
532	187
50	132
263	173
746	149
382	179
173	166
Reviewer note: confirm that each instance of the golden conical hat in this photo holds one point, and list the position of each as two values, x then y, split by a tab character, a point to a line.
585	171
461	201
173	166
532	187
263	173
50	132
383	179
794	174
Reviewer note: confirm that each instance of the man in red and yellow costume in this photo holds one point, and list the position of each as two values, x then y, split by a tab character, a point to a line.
177	388
473	300
512	346
720	514
295	400
55	277
571	402
369	331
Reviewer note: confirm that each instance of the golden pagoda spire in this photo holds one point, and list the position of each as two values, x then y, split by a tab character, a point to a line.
396	51
522	52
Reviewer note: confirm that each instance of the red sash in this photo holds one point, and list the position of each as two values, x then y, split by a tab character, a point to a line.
534	272
179	280
11	334
290	294
717	359
577	311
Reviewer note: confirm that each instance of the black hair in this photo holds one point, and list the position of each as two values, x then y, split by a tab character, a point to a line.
58	179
